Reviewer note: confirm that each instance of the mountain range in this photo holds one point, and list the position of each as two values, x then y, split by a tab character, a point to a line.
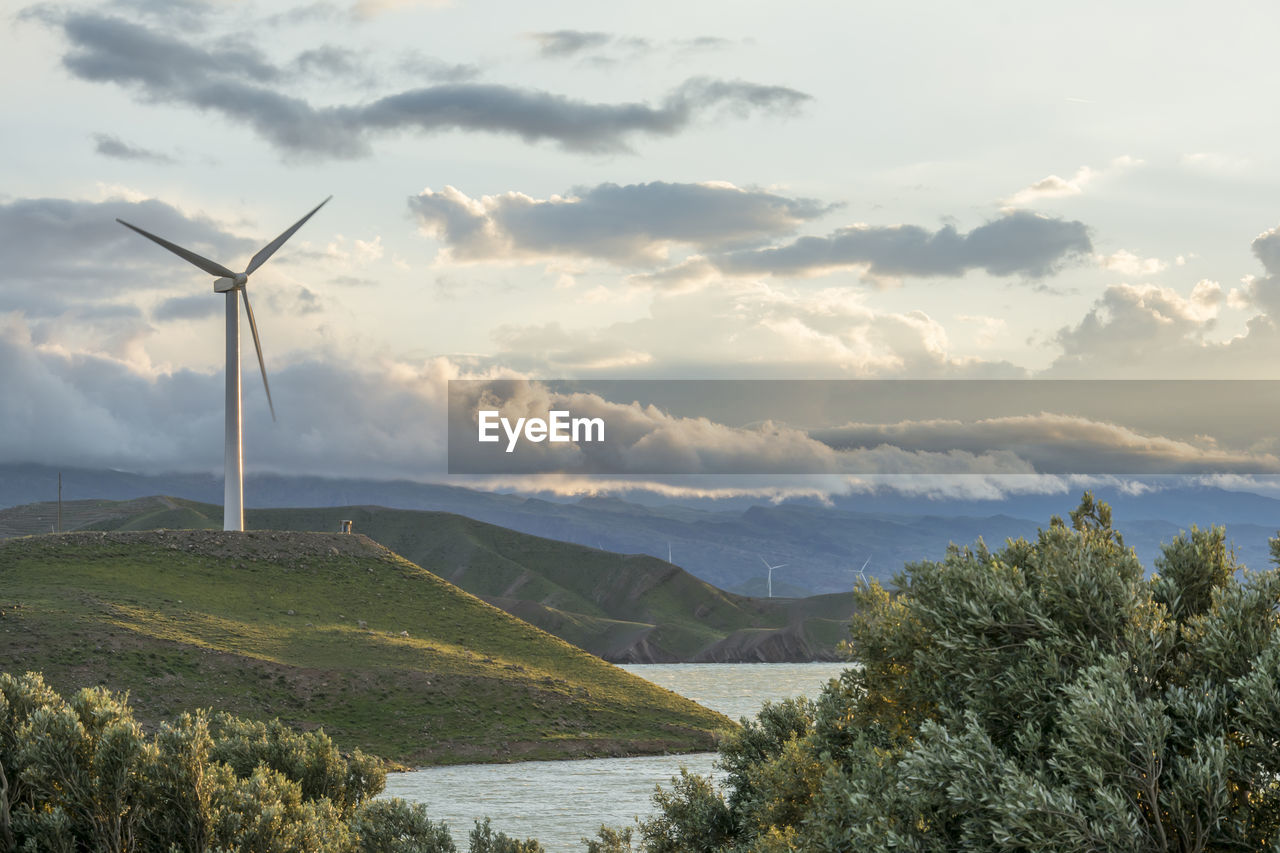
724	543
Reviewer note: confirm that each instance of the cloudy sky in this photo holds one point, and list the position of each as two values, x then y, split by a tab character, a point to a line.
624	190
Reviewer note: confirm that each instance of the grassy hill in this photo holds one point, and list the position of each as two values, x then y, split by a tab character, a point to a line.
321	630
624	608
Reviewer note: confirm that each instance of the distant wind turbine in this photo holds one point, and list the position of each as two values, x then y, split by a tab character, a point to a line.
770	568
669	553
233	284
861	576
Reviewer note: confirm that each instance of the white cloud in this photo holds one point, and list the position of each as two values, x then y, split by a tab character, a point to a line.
690	274
989	331
1216	163
1130	321
1145	331
749	329
373	8
1127	263
1052	186
359	254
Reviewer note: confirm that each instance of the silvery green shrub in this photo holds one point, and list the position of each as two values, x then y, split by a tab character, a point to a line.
1047	696
81	775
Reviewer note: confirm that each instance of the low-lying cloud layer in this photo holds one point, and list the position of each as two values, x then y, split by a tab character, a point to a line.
1056	444
645	439
239	82
381	420
81	409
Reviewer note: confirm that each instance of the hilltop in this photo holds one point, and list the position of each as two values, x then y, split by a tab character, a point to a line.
623	608
321	630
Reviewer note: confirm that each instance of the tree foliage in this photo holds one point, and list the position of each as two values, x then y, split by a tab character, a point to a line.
1044	697
81	775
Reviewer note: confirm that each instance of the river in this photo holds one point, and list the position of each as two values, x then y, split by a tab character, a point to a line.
561	802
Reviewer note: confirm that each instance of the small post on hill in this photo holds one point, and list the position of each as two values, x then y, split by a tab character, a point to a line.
59	501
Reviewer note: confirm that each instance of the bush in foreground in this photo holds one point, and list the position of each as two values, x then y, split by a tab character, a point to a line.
1044	697
80	774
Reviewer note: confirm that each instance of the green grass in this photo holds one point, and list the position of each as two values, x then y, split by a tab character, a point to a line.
619	607
202	619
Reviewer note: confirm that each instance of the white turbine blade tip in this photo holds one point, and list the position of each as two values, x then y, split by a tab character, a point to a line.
270	249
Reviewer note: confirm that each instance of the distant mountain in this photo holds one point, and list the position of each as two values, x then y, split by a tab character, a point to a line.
624	608
1182	506
823	545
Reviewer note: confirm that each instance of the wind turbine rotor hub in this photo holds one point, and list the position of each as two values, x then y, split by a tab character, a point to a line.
227	284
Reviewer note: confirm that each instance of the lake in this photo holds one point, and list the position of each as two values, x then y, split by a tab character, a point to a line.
561	802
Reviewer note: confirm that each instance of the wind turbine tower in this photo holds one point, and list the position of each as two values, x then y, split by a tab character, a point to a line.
233	284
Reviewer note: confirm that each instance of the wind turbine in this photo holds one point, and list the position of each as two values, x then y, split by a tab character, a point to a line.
233	284
862	577
770	568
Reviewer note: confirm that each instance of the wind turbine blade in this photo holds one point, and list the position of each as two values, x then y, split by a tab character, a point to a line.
779	566
766	562
211	267
270	249
257	344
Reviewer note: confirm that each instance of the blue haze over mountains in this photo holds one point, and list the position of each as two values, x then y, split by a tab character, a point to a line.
720	541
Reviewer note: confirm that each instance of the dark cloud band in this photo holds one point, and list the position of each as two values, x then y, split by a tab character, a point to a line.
1019	243
116	148
733	228
75	248
241	83
629	224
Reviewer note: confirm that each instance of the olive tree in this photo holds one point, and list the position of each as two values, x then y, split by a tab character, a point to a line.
80	774
1048	696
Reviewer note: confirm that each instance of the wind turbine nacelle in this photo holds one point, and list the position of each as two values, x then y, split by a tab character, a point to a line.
225	285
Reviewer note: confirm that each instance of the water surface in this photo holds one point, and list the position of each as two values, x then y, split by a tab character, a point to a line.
738	689
560	802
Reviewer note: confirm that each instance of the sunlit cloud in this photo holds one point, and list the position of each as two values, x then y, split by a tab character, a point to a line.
1054	187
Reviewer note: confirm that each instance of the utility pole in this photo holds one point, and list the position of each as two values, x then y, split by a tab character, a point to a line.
59	501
